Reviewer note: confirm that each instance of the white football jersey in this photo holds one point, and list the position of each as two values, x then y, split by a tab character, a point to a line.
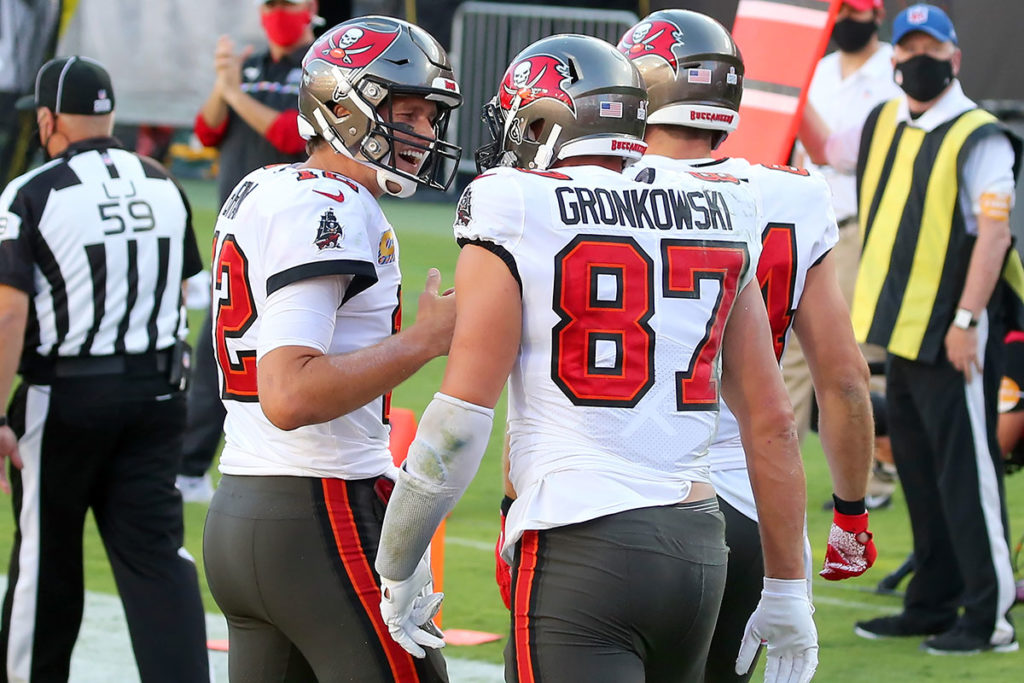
798	229
282	225
626	289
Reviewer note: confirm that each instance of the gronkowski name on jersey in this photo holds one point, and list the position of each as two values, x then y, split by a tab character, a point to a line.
626	288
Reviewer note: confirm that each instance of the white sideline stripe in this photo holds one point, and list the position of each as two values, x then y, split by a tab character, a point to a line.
988	492
470	543
842	586
787	14
853	604
103	652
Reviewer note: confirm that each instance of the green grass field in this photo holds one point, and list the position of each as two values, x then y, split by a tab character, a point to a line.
472	601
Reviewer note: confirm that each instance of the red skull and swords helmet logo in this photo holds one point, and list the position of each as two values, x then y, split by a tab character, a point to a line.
354	47
535	78
655	38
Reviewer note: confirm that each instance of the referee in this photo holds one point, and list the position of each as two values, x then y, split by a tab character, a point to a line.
935	178
93	248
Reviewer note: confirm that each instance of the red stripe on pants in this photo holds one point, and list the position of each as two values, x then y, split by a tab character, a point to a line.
521	607
357	566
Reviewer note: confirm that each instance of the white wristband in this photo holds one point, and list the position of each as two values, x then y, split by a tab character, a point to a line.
786	587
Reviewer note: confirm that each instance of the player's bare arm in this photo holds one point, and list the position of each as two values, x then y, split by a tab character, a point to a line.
752	387
13	317
300	386
487	329
840	377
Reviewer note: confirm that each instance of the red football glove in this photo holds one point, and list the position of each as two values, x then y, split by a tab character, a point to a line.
503	572
851	548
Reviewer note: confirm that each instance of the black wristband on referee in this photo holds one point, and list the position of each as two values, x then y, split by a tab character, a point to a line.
506	503
847	507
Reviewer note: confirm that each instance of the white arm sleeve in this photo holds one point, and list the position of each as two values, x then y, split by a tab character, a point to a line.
302	314
442	461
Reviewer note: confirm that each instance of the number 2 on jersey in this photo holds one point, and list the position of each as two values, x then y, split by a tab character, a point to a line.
603	346
236	311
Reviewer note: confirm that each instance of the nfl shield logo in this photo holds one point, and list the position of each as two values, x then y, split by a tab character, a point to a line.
917	15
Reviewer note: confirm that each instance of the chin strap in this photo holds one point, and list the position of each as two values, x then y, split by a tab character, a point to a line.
406	187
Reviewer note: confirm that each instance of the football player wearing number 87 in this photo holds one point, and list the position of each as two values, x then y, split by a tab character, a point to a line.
695	88
610	303
308	337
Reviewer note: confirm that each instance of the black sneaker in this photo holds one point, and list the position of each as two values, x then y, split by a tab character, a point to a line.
958	641
897	626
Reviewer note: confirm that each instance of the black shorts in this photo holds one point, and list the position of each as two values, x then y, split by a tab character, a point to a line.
631	597
289	561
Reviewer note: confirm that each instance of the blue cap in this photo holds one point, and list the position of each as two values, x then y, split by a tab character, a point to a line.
927	18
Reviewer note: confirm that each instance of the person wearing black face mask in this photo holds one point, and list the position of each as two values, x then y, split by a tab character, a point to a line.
927	74
935	177
854	31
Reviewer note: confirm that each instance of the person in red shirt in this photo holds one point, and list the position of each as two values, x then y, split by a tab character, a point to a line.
251	113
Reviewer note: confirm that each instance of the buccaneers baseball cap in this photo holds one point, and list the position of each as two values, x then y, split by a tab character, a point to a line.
72	85
926	18
863	5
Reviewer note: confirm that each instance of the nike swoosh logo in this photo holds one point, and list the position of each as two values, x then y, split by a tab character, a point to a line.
338	197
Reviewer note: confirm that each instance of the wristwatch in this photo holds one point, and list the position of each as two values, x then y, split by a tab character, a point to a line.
964	319
3	420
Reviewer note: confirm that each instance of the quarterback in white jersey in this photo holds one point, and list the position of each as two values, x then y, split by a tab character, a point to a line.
284	225
308	337
692	110
612	304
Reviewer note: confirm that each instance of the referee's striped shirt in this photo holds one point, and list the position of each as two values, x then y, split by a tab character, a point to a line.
100	238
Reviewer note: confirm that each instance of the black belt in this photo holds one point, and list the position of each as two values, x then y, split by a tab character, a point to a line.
42	370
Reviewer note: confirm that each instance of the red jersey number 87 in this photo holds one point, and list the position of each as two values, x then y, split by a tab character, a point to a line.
604	294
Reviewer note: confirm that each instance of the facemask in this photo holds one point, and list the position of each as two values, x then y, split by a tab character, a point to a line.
923	77
851	35
284	27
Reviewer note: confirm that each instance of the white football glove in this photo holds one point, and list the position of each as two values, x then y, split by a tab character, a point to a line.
783	619
408	607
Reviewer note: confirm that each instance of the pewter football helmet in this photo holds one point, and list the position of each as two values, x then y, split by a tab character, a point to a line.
360	64
565	96
692	68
